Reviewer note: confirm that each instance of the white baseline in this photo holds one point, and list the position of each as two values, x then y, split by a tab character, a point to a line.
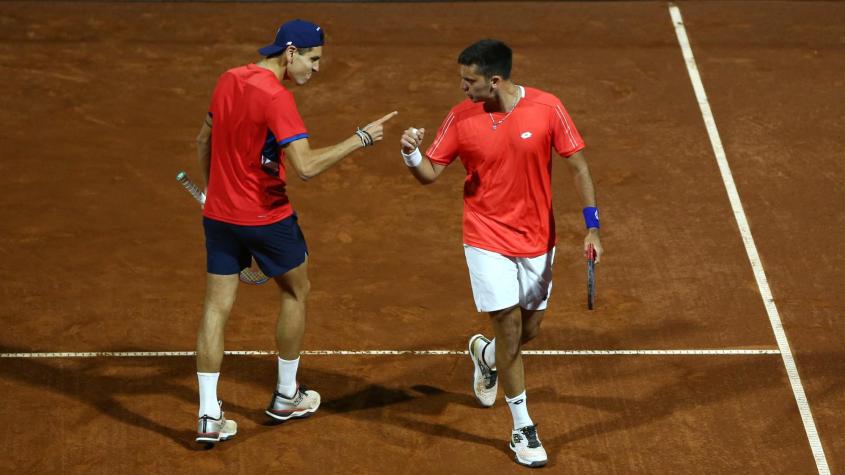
163	354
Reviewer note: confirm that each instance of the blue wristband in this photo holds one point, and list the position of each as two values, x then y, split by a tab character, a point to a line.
591	217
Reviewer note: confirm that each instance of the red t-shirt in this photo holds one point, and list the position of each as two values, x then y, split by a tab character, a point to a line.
507	190
253	116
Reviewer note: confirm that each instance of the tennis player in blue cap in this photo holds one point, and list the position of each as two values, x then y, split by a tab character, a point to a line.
252	130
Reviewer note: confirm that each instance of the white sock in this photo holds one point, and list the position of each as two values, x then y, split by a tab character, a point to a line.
519	410
488	354
208	395
286	384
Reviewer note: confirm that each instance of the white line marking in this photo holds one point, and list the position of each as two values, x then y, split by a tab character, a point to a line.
750	247
649	352
159	354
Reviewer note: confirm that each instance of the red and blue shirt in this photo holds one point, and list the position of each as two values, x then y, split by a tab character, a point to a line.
253	117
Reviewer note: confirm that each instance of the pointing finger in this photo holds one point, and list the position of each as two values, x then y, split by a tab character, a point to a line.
386	118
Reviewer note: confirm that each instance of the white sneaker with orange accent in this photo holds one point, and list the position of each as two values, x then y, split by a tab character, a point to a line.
211	431
304	403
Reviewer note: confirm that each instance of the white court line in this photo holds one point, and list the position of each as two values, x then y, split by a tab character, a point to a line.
750	247
159	354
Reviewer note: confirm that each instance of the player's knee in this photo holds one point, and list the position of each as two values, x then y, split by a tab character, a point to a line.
300	290
214	316
295	285
510	352
305	289
217	309
508	325
530	332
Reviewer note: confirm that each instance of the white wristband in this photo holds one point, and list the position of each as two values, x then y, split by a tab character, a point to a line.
412	159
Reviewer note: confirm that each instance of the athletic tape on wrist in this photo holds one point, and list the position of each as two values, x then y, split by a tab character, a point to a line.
591	217
412	159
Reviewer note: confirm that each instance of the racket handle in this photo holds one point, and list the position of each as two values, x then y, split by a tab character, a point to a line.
591	253
189	185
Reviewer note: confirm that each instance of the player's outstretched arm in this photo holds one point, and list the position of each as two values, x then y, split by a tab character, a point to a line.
309	162
586	190
423	169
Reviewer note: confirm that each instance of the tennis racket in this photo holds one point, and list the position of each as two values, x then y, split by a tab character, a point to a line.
250	275
591	277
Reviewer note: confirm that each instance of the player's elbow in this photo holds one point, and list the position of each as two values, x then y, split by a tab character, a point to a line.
303	165
306	173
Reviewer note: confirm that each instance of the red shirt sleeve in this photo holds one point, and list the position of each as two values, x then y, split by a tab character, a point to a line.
444	149
284	120
565	137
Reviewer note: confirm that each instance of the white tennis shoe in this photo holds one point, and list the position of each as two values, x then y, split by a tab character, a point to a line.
211	431
485	381
304	403
527	448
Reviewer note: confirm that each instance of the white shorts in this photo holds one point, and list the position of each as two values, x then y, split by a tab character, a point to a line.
500	282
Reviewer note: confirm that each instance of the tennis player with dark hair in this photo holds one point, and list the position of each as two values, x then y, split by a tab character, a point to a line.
252	127
504	134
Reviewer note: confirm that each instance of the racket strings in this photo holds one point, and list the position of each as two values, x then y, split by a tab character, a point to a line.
253	276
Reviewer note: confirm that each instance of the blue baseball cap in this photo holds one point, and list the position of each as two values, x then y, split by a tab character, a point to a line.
299	33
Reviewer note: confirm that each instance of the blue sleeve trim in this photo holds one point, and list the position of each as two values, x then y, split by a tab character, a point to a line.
293	139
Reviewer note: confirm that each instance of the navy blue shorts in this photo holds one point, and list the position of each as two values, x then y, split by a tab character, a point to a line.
277	247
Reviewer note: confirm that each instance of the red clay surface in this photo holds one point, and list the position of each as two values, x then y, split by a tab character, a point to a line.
102	251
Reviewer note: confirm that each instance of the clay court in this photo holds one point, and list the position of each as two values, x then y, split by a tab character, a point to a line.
683	367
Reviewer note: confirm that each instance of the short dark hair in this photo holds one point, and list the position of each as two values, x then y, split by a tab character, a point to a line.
301	51
491	57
